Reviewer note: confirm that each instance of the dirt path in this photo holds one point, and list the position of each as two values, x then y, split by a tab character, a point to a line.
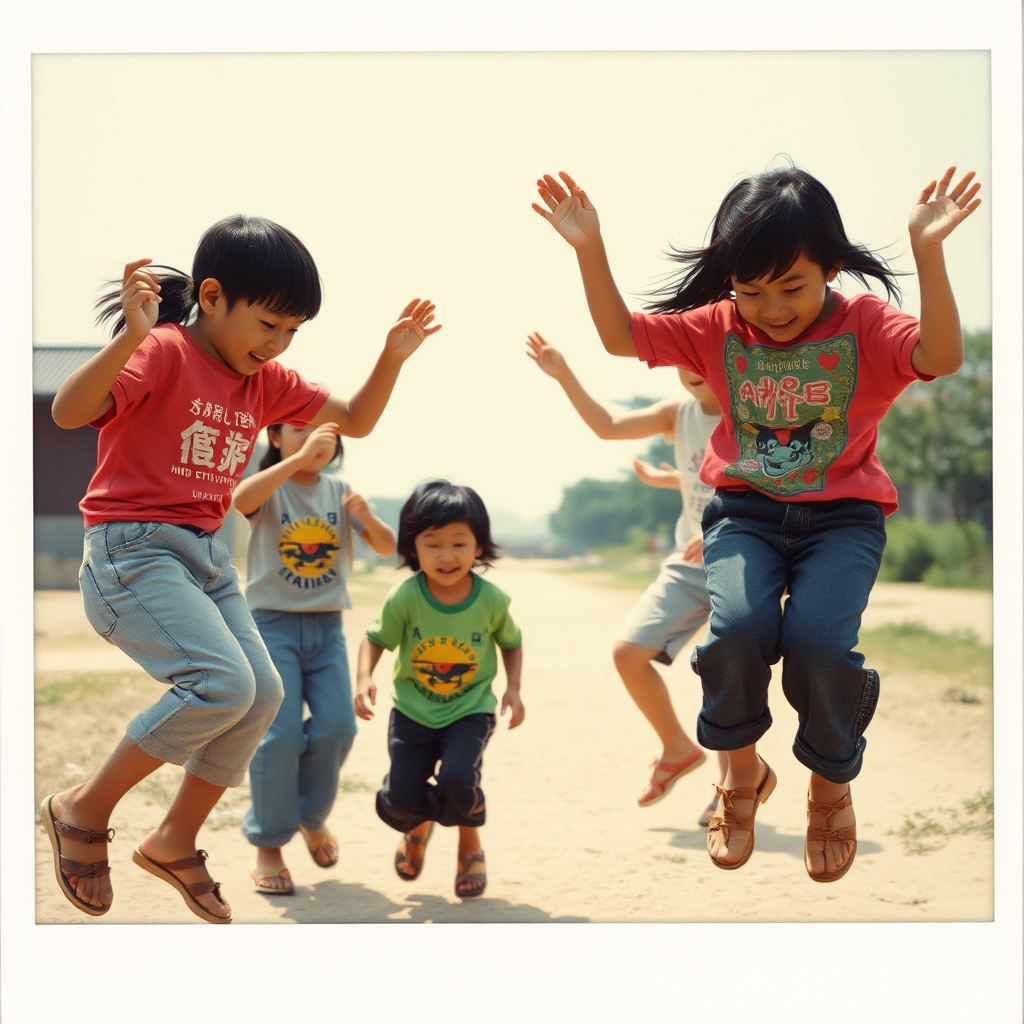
565	840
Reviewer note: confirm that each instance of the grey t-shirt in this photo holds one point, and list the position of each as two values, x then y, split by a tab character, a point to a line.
694	428
300	548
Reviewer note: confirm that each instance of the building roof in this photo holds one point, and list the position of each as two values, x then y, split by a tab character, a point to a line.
52	363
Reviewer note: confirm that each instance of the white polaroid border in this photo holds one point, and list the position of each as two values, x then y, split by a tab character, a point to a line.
763	972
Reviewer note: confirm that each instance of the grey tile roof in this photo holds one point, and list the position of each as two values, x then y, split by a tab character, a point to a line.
51	364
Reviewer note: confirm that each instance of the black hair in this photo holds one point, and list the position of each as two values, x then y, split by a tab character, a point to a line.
253	258
437	503
763	225
272	456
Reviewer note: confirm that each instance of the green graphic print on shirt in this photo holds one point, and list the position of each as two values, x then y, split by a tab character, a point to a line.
789	410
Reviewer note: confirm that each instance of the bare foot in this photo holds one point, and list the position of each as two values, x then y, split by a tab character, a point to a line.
829	856
322	845
164	849
270	873
97	890
412	850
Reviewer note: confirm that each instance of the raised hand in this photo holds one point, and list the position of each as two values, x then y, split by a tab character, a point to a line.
318	449
546	356
356	506
411	328
570	213
140	298
933	217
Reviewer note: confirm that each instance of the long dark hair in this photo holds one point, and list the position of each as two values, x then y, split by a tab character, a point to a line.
437	503
763	225
253	258
272	456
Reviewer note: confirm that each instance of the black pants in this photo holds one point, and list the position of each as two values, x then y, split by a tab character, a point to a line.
409	797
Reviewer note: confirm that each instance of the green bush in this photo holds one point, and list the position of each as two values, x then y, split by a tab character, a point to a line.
941	555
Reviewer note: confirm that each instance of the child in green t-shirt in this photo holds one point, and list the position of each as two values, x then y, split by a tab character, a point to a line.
445	621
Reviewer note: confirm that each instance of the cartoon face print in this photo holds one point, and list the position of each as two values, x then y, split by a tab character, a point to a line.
780	451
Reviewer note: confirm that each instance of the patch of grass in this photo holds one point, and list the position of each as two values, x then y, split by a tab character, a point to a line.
930	830
913	646
353	785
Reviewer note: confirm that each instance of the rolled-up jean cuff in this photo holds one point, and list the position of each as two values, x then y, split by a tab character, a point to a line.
194	765
834	771
734	738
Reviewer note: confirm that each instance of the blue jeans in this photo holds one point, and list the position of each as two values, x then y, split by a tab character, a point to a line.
169	598
293	776
825	556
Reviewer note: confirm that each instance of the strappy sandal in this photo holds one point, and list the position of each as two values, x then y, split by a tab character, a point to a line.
259	878
65	866
708	813
402	856
189	891
731	820
327	841
825	832
465	875
655	791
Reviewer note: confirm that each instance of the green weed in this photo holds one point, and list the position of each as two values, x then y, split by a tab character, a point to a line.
913	646
926	831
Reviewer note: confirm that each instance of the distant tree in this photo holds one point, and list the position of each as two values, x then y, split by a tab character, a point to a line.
940	433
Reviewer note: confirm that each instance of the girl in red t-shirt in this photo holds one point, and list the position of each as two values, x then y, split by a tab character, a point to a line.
803	375
179	396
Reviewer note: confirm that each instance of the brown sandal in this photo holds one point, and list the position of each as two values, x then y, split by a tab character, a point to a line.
825	832
65	866
402	856
731	820
190	891
465	875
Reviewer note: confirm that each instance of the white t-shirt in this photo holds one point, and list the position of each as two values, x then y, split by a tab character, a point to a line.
300	548
694	428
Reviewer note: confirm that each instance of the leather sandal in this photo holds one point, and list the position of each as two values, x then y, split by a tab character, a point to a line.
656	790
730	820
65	866
465	875
402	856
826	833
189	891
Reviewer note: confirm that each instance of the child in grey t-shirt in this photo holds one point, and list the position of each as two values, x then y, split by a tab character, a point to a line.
299	557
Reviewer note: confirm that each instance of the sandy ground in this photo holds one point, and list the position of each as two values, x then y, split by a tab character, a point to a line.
565	839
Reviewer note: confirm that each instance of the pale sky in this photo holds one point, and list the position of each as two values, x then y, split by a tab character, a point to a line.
412	175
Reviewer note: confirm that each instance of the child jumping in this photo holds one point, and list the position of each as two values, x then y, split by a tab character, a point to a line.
299	557
804	374
676	604
179	396
445	621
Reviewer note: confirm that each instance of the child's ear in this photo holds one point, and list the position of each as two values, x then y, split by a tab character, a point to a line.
210	292
274	438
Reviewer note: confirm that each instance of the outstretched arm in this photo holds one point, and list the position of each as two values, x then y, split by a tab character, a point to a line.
574	217
85	395
659	418
358	415
940	349
667	476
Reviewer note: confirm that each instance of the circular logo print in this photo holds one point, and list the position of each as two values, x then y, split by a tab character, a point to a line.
308	546
444	665
821	431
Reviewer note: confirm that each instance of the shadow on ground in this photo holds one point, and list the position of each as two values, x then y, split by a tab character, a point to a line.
768	840
334	902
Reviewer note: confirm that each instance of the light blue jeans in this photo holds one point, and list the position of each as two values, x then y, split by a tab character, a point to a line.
293	776
169	598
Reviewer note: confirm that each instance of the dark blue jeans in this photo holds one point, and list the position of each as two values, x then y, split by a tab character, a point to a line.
824	555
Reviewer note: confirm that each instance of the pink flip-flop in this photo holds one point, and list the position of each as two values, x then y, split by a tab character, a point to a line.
655	790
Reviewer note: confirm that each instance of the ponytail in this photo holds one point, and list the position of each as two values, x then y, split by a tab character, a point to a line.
177	300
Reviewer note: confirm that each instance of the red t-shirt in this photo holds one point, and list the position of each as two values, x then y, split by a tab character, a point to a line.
182	429
800	418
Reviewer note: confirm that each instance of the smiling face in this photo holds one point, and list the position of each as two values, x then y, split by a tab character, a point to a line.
246	336
446	554
786	307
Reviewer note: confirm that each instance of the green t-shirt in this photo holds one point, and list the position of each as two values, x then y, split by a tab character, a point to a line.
446	657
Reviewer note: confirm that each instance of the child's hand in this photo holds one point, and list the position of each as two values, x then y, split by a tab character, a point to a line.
572	214
512	700
666	476
356	506
546	356
412	327
693	552
318	449
365	699
934	217
140	298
